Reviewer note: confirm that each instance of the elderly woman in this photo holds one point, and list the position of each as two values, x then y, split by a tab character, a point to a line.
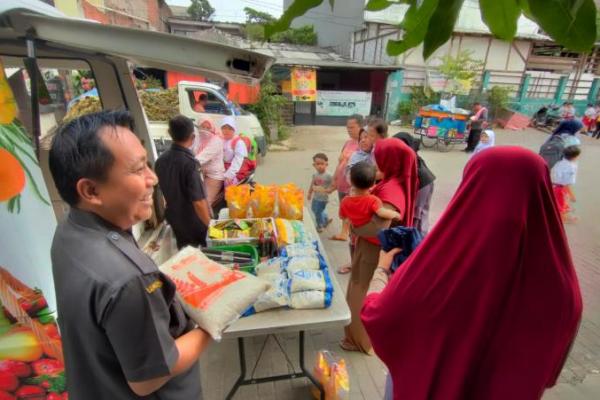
397	165
208	149
492	319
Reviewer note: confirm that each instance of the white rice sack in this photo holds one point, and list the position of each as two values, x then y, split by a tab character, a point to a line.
212	295
271	266
302	263
304	280
275	297
310	299
300	249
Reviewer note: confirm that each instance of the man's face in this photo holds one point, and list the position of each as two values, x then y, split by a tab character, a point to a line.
476	107
353	128
371	137
125	198
86	84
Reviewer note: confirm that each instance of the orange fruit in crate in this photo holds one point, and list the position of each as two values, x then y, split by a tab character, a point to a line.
12	176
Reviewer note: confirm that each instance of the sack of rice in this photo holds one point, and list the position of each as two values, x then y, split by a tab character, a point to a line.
212	295
310	299
271	266
302	263
300	249
275	297
304	280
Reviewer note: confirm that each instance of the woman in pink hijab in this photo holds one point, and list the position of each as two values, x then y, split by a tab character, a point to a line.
492	317
208	149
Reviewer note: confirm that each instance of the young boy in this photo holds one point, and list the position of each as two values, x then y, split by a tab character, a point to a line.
360	206
563	175
321	186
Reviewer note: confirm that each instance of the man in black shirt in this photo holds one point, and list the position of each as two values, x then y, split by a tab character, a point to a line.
179	179
125	334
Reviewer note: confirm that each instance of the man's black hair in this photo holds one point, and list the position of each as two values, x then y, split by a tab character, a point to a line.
320	156
571	152
380	127
358	118
181	128
362	175
78	151
203	97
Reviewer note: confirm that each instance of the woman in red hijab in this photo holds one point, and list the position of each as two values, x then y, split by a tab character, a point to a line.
397	163
492	317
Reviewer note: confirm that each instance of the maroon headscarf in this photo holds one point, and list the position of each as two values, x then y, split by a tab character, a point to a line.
398	162
488	305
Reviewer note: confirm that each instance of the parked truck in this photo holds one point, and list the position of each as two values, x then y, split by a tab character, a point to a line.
217	107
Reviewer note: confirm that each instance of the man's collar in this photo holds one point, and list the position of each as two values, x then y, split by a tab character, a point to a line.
179	147
91	220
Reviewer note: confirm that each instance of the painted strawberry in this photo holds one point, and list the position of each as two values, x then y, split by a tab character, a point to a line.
6	396
48	366
8	381
65	396
54	396
19	368
30	392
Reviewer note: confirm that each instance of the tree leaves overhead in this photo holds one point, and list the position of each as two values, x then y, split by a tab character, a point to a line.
415	25
378	5
296	9
571	23
501	17
441	26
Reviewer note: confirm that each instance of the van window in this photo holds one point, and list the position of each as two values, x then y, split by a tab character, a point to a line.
205	101
67	91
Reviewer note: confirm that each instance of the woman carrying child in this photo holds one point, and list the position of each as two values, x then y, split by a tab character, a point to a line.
396	164
208	149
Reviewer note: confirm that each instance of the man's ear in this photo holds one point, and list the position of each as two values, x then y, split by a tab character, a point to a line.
87	190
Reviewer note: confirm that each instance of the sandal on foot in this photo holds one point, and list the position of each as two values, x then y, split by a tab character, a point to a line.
344	269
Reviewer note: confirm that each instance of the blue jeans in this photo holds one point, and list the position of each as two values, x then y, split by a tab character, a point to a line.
318	208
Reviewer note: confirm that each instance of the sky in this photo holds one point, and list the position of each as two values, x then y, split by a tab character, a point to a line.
233	10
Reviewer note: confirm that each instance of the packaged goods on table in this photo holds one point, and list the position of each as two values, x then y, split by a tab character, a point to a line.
300	249
212	295
290	232
310	299
263	201
290	202
300	263
277	296
305	280
331	372
258	232
271	266
238	199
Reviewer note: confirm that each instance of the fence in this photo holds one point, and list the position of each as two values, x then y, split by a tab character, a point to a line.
528	91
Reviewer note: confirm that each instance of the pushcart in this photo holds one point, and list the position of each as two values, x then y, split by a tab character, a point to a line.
440	128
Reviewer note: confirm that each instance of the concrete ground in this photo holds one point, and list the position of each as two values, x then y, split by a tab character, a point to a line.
580	378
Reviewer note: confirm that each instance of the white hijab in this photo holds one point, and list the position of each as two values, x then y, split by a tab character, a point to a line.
491	142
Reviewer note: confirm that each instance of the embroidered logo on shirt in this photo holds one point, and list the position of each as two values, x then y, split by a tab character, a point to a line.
157	284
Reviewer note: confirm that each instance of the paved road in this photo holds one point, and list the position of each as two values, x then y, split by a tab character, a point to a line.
581	376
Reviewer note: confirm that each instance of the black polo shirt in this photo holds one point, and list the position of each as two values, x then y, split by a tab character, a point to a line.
179	180
117	313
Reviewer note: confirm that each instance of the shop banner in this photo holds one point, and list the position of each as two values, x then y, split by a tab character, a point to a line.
304	84
343	104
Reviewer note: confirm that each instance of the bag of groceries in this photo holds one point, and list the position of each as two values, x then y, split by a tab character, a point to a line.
291	202
262	201
214	296
331	372
237	198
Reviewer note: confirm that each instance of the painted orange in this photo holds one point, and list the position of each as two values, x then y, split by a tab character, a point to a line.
12	176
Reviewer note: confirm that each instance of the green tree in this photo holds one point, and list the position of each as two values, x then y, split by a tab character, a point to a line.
304	35
268	107
200	10
258	17
460	71
570	23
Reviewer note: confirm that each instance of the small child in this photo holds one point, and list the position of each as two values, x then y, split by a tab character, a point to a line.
360	206
488	139
589	119
563	175
321	186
